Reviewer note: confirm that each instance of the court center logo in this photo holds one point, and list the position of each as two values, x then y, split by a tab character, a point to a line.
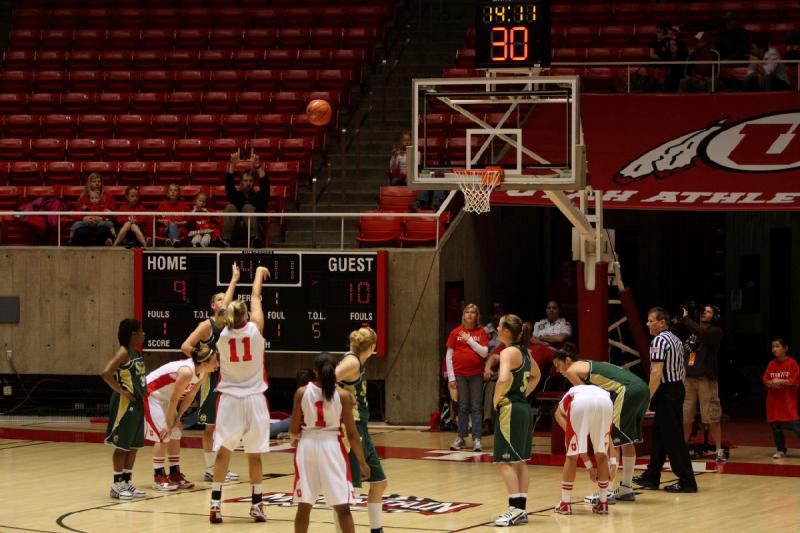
763	143
393	503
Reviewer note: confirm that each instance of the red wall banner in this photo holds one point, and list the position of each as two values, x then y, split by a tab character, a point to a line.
727	152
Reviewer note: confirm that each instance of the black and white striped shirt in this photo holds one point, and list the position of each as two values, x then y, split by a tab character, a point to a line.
668	348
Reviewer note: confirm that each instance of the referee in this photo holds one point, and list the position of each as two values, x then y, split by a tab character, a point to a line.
667	394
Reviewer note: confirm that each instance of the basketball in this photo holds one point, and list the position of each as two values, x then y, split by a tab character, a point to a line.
319	112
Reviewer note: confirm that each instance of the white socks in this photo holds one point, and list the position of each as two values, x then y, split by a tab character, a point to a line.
628	464
375	510
566	492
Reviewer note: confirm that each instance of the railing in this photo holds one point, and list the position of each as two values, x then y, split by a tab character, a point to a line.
21	215
716	66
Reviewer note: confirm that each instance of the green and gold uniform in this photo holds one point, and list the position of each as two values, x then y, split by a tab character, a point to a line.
358	388
126	421
207	412
513	438
630	395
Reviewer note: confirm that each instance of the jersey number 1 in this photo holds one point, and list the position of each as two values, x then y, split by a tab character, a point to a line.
320	415
234	357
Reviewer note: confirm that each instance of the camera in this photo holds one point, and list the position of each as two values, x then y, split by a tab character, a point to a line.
693	309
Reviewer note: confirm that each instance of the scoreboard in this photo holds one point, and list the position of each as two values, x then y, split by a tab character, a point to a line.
311	302
512	33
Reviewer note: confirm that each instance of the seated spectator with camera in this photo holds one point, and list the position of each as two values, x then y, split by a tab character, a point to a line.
245	199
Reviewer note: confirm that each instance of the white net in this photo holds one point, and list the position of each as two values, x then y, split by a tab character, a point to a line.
477	185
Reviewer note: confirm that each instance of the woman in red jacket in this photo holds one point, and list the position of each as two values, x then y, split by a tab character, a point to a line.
467	349
782	379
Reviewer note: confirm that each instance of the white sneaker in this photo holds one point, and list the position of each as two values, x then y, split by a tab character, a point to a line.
119	491
458	444
594	498
476	445
230	476
779	455
136	493
511	517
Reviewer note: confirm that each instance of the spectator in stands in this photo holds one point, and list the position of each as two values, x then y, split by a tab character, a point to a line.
792	46
92	230
733	41
673	74
133	224
698	77
766	72
659	43
397	163
549	334
245	200
173	227
203	230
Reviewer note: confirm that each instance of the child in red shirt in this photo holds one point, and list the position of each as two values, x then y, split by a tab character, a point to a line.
173	227
134	224
782	379
203	229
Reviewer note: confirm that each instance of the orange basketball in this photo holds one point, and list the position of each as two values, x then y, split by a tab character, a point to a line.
319	112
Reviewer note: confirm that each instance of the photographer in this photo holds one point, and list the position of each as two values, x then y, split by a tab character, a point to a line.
701	350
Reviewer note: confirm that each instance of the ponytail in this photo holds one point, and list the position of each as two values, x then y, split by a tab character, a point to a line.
361	339
520	331
325	367
525	336
232	316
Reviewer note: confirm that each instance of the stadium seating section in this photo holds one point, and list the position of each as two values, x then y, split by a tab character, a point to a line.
151	92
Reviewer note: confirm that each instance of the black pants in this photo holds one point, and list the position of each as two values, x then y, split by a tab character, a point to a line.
777	433
668	436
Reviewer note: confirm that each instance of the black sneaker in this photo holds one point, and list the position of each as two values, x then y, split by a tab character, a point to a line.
645	482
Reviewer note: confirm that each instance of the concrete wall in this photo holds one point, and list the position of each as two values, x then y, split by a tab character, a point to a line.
71	302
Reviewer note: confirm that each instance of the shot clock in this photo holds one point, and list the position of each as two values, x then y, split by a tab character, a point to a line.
311	302
512	33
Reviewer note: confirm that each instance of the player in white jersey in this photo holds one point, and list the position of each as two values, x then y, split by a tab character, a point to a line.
242	413
585	412
167	386
321	460
207	332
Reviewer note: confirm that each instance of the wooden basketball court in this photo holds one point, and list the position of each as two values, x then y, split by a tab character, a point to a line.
56	476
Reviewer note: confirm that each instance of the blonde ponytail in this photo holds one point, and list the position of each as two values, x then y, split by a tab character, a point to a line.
232	316
361	339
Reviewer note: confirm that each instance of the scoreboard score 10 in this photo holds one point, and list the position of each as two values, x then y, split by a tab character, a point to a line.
311	301
512	33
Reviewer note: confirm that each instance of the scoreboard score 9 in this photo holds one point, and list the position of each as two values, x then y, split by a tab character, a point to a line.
512	33
311	301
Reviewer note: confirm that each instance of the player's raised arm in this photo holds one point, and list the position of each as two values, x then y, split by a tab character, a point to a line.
230	293
256	311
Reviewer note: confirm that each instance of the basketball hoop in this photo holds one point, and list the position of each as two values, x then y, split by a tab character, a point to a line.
477	186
